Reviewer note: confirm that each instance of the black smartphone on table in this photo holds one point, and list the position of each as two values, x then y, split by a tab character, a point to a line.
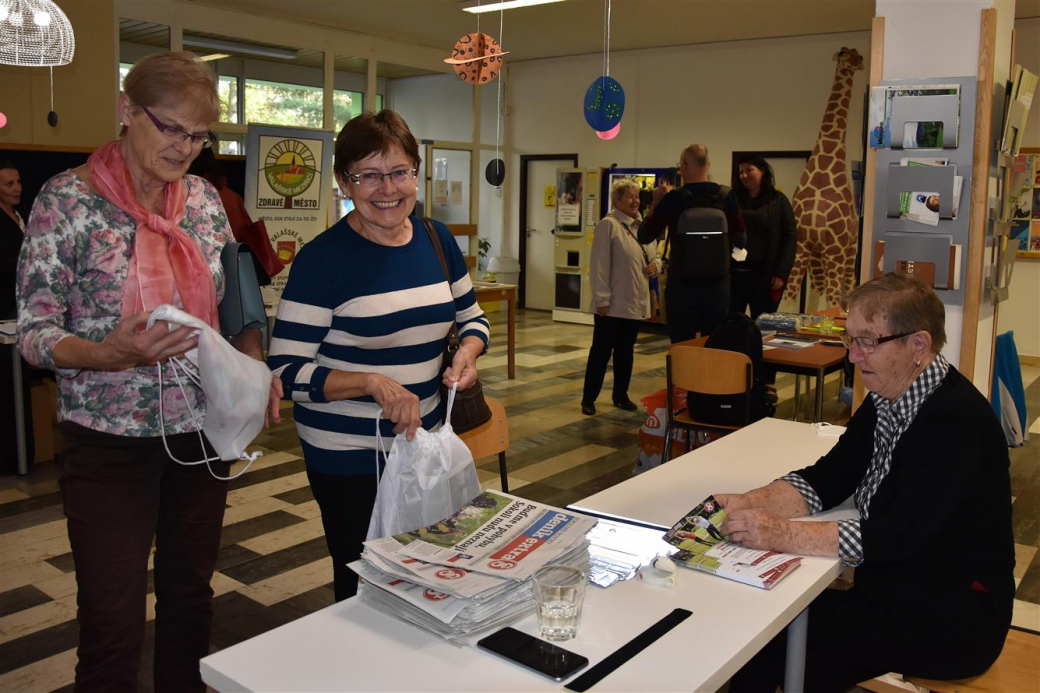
534	653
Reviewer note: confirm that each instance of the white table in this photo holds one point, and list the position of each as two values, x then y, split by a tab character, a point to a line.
351	647
741	461
19	402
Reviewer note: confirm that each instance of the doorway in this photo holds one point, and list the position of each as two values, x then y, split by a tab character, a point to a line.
538	224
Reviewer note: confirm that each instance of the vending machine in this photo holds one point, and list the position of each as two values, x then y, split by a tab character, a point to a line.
577	213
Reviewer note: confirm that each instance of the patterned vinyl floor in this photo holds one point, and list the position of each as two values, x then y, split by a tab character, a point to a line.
274	566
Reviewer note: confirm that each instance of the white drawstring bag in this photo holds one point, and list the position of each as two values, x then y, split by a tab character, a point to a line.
237	389
426	479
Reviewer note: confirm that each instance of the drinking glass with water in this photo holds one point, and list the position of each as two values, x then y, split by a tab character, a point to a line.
559	591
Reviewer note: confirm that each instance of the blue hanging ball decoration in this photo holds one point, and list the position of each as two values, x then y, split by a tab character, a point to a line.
604	103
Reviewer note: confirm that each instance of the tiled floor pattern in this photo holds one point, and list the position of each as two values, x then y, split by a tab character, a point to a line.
274	566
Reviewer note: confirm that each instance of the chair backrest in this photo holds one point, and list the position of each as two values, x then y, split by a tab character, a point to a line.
709	371
492	437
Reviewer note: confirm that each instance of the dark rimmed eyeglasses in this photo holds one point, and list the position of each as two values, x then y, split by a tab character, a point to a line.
373	179
177	135
869	344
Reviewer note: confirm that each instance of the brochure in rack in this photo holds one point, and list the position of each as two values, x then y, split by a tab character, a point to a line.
702	547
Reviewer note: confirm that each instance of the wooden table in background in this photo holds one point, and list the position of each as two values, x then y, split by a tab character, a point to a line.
507	293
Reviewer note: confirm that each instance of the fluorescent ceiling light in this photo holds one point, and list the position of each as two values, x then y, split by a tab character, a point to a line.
214	56
477	6
232	47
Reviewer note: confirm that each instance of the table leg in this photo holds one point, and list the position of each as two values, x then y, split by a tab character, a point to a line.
820	378
511	336
797	395
19	411
794	671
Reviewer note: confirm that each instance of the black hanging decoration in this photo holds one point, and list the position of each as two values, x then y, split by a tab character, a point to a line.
52	115
495	172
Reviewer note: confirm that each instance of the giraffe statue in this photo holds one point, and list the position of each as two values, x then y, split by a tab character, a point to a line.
823	204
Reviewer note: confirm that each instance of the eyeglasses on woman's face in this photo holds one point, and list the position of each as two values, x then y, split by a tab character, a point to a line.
373	179
868	344
175	134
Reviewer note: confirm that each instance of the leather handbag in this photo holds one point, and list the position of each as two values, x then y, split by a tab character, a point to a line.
471	409
242	306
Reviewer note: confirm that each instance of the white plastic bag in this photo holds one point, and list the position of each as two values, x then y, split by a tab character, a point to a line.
426	479
237	387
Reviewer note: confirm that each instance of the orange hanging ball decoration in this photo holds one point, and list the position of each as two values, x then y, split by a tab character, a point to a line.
477	58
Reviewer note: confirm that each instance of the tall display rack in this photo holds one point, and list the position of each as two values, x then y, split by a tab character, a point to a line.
937	253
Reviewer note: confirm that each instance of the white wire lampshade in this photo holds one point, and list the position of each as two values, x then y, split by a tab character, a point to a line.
35	33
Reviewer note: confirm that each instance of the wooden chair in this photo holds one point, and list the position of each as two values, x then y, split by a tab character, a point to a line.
709	372
1016	670
491	438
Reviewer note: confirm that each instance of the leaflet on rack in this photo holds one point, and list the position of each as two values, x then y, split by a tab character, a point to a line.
494	534
702	547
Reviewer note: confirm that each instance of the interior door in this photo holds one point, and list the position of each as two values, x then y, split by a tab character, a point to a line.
539	268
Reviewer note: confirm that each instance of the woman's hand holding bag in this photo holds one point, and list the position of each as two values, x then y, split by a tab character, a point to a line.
426	479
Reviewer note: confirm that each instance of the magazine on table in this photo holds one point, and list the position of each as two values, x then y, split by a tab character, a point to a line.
702	547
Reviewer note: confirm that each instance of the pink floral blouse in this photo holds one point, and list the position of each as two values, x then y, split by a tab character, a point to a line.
71	272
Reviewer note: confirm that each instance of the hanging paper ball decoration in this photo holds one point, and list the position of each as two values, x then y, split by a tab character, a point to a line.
52	119
604	103
3	120
609	134
495	172
477	58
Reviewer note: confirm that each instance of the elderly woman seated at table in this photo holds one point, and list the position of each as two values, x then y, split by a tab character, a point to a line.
926	462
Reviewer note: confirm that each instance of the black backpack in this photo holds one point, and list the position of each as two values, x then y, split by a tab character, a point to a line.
700	247
739	333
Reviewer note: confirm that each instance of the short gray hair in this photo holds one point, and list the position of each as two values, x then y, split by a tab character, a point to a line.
620	186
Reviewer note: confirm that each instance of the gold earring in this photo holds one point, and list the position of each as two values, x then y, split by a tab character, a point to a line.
917	362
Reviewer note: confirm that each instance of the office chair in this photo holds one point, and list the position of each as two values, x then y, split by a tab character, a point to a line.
708	372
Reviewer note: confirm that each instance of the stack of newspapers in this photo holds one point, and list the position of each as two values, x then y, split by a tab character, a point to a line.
472	571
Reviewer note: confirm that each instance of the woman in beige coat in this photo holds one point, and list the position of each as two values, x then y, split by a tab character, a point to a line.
619	272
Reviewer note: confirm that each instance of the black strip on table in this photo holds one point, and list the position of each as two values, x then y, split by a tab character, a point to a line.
627	651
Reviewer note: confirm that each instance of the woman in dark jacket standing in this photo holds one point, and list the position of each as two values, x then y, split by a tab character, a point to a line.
771	239
758	281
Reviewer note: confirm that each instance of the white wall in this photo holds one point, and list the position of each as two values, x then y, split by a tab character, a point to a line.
741	95
1021	312
436	107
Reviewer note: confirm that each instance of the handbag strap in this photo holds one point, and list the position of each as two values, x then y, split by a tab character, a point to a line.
453	332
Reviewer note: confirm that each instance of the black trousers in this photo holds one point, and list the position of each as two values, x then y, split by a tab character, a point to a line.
346	504
615	336
695	309
120	493
750	290
853	638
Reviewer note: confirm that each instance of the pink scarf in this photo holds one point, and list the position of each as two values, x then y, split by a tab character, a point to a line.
166	259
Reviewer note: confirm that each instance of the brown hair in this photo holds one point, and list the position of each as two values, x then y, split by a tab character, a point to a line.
905	303
173	77
369	134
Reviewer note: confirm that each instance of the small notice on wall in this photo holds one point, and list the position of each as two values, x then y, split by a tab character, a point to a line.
550	196
456	192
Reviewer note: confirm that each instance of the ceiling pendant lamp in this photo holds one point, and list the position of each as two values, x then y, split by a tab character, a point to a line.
35	33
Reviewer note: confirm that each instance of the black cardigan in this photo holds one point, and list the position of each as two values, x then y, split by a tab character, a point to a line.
940	523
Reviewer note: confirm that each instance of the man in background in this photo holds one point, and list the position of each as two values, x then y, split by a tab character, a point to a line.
698	285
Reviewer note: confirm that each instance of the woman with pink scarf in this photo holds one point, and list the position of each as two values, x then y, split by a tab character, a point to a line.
106	244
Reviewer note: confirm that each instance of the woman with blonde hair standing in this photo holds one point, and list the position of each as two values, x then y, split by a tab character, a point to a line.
619	271
106	244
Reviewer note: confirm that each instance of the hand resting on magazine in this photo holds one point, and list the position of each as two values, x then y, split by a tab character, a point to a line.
757	519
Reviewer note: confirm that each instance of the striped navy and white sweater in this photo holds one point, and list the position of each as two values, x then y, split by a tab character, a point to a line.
353	305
